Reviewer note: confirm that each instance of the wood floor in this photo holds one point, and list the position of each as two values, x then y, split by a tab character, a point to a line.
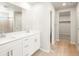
61	48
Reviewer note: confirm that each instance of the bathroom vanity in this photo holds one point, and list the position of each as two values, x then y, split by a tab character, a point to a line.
19	43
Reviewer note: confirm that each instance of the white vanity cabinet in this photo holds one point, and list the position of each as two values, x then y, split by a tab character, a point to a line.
4	52
22	45
31	44
11	48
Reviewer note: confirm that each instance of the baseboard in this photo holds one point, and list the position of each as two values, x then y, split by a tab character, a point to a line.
35	52
45	50
72	42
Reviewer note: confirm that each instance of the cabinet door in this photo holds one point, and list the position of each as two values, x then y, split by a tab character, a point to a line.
34	43
26	50
31	44
28	46
11	49
4	49
16	50
4	53
37	42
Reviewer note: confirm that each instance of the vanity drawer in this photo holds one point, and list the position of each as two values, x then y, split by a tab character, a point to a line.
31	44
28	40
26	50
28	46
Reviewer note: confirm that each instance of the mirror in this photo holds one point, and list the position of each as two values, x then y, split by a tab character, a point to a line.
10	18
4	22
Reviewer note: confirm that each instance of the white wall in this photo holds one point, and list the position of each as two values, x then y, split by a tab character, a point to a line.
73	26
27	20
73	23
38	19
45	27
77	9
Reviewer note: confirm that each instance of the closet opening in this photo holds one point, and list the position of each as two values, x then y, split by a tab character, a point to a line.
65	26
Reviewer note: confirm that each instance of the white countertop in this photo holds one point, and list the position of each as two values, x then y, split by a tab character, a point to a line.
15	36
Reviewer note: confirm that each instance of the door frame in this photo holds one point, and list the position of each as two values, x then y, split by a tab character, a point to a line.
56	26
69	25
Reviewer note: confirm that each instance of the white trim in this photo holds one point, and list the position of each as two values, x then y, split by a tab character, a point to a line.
72	42
78	48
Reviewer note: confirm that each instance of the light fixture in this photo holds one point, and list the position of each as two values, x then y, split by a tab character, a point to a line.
63	4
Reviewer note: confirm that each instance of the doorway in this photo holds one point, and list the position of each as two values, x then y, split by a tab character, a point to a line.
65	26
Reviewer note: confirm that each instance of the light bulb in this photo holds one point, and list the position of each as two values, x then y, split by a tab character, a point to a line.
63	4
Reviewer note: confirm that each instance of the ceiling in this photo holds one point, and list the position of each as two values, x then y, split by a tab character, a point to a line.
58	5
11	6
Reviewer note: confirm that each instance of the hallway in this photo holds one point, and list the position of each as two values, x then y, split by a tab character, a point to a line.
61	48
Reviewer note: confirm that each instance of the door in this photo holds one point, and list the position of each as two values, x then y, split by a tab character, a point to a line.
16	49
11	49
